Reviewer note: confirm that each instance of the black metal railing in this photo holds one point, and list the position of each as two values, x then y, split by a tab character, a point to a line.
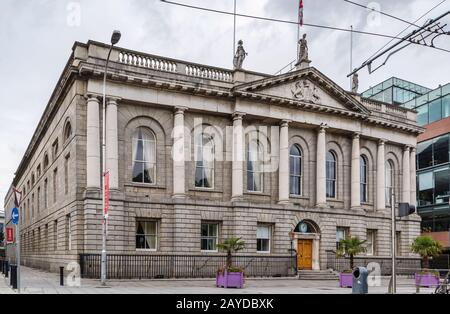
405	265
183	266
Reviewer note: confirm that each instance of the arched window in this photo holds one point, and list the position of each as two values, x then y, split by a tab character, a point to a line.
331	171
389	177
295	170
204	161
255	166
67	131
144	156
364	178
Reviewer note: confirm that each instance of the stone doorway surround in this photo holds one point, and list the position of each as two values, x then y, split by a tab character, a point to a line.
315	237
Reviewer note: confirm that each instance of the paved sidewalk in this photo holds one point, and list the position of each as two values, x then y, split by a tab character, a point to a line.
39	282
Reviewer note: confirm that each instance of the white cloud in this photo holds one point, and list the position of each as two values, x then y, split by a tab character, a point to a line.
36	42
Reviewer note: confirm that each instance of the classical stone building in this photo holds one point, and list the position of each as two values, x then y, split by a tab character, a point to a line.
297	162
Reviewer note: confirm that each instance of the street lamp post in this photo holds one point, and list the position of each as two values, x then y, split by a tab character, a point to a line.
114	40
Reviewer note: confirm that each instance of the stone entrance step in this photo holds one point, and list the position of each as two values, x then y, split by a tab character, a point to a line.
317	275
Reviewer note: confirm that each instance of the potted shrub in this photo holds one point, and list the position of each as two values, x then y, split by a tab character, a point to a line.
349	248
229	276
427	248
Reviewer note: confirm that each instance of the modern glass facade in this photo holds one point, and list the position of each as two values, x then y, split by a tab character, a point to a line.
433	156
433	183
395	91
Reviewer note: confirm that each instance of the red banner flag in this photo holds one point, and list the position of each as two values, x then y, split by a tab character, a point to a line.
9	235
300	13
105	210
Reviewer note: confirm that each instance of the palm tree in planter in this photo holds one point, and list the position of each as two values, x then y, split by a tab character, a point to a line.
349	247
427	248
229	276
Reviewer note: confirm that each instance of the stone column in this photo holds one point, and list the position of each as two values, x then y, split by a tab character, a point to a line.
321	199
283	167
412	174
406	190
355	173
178	154
93	143
237	174
112	144
381	177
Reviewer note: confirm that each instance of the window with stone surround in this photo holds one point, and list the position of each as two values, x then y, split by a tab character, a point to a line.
364	173
146	234
55	235
389	177
331	173
55	150
66	174
55	185
295	170
144	156
263	238
67	131
68	233
209	236
255	159
341	234
204	161
371	242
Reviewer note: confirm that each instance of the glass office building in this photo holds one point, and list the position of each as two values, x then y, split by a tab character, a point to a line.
433	155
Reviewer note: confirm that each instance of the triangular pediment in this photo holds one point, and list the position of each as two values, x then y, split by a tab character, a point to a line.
305	86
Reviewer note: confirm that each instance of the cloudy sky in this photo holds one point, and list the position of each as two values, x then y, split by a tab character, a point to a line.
36	37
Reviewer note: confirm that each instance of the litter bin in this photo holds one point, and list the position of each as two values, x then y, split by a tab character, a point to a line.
360	285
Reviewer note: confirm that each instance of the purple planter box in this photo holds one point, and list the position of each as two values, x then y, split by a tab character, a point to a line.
230	280
346	280
426	280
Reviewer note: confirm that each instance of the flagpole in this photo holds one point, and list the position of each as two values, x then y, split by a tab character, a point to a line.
234	29
351	56
298	26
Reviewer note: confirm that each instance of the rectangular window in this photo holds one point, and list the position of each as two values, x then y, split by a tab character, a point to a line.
46	238
263	236
425	154
55	184
425	188
66	174
39	242
422	115
45	194
371	240
146	235
32	205
55	235
442	186
435	111
446	107
341	234
39	199
398	243
441	150
68	233
209	236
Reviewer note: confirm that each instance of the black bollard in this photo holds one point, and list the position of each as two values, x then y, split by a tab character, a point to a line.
13	279
6	269
61	276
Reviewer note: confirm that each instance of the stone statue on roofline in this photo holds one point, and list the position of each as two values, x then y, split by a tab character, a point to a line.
240	55
355	83
303	61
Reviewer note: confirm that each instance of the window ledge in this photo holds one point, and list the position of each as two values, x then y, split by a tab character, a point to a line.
212	252
299	197
145	185
256	193
334	200
146	250
205	190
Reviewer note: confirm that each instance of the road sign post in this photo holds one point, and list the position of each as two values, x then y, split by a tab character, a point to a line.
15	215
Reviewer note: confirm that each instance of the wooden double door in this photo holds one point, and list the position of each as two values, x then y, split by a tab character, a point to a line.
304	254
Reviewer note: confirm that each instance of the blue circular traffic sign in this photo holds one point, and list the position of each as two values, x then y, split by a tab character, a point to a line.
15	216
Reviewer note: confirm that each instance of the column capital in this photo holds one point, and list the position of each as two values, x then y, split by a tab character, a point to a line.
323	127
356	135
285	123
413	149
237	115
92	97
112	100
407	148
180	109
381	142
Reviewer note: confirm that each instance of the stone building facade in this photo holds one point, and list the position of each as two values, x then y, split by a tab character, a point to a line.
297	162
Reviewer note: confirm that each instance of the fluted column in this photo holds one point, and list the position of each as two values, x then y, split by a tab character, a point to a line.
237	174
112	144
355	173
321	199
406	190
283	168
412	174
178	154
93	143
381	177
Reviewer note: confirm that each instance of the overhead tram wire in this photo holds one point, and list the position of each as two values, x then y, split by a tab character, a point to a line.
290	22
389	15
408	27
